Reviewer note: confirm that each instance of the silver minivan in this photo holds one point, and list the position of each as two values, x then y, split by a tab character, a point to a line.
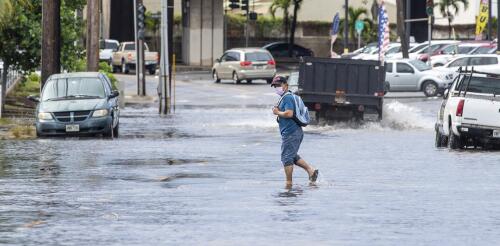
245	64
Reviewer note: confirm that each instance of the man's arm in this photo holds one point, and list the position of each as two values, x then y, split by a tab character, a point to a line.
285	114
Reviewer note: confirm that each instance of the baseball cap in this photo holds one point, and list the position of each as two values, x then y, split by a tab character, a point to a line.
278	80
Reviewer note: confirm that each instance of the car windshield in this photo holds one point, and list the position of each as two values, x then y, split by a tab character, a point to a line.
369	49
417	48
257	56
103	45
483	85
482	50
71	88
420	65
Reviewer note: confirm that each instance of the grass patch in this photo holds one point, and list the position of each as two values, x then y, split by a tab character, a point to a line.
22	132
4	121
29	86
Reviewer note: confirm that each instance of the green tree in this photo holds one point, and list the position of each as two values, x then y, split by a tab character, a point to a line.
359	14
449	8
283	5
296	8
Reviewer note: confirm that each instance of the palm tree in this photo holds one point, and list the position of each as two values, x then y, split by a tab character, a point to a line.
449	8
5	12
284	5
296	7
354	15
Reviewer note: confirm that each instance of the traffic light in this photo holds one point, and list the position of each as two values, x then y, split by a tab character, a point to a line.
429	7
141	17
234	4
244	5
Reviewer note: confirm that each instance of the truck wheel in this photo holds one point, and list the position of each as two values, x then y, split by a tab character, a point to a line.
152	71
430	88
441	140
125	69
216	77
387	88
454	141
249	81
236	79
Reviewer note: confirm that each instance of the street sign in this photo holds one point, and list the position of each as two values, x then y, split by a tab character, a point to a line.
359	25
429	7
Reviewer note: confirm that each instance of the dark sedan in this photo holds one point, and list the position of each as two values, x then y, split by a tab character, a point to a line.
280	49
77	104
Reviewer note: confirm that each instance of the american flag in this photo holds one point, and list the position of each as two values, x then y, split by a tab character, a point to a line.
383	32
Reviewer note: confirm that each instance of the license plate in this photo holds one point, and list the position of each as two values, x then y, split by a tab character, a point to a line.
262	67
496	133
72	128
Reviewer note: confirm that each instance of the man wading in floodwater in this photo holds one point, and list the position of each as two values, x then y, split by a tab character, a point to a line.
291	132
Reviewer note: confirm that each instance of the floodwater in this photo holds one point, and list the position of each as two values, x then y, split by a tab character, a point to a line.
210	175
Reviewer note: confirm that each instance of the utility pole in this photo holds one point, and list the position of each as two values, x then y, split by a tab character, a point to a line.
346	27
401	28
489	20
498	27
140	66
245	5
93	34
164	86
51	38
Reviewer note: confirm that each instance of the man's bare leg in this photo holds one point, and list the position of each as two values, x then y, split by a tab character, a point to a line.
303	164
288	173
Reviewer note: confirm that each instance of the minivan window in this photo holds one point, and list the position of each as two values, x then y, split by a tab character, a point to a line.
257	56
73	87
459	62
233	56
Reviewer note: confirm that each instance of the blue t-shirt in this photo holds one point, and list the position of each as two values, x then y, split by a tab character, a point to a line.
287	125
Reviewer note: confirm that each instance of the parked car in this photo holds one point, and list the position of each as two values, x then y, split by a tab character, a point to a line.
422	49
468	60
469	114
487	49
392	49
280	49
366	49
451	51
293	82
124	59
77	104
415	75
245	64
106	49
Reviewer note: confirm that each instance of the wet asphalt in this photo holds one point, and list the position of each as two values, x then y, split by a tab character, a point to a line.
210	174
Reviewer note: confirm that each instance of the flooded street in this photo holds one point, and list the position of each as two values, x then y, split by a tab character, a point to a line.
210	174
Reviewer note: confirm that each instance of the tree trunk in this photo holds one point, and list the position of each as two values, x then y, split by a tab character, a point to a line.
401	28
287	24
294	26
51	38
93	23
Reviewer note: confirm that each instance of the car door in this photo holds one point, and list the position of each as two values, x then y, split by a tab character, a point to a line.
113	102
405	77
221	67
390	76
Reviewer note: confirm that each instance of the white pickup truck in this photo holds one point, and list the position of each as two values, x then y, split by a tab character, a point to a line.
124	59
470	113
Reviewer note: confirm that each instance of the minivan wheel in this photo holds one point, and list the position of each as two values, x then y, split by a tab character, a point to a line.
236	79
116	130
430	89
216	77
249	81
110	132
269	81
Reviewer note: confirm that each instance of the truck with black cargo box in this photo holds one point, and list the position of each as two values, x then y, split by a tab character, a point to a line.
342	89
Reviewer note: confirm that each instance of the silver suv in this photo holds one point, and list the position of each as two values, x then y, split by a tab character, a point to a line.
245	64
